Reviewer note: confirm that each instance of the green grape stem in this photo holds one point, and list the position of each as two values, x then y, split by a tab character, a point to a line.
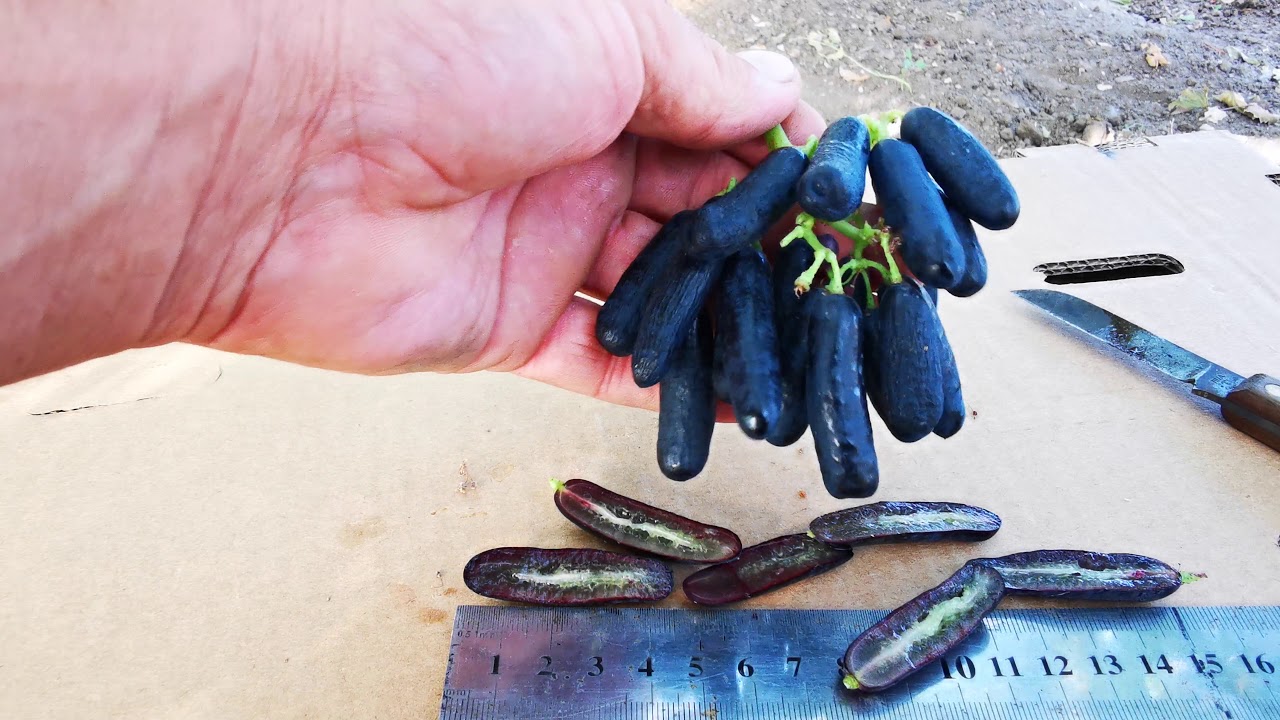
895	275
805	281
878	126
834	286
798	232
859	234
776	138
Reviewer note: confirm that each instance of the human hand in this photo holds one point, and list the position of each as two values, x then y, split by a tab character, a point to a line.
487	160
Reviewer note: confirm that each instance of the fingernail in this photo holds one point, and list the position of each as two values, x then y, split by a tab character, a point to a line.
775	67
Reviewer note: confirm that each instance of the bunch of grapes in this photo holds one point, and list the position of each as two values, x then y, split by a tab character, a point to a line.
815	339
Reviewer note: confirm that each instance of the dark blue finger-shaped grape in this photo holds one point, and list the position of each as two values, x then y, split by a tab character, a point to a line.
835	399
975	261
674	303
905	354
760	568
964	169
752	368
953	409
566	576
643	527
832	186
793	346
619	318
687	406
921	631
915	211
1085	575
720	381
739	219
894	522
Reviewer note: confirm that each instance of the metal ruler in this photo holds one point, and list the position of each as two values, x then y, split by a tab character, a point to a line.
1145	663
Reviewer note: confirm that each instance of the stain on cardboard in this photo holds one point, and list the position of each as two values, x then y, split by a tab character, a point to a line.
358	533
450	591
430	616
403	594
502	471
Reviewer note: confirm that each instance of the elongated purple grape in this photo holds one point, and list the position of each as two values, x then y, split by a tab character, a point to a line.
746	323
643	527
1085	575
962	167
760	568
953	407
566	576
739	218
921	631
686	406
675	300
832	186
790	316
619	318
889	522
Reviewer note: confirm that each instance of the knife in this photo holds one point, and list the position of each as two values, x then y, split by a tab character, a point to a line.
1251	405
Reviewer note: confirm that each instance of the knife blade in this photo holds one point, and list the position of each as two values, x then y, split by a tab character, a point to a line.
1251	405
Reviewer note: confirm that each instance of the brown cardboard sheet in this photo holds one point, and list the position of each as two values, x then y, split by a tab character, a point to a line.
262	540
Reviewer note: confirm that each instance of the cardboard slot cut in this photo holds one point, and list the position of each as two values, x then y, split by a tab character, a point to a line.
1124	267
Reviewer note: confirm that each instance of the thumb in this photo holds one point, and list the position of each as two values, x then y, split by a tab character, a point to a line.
699	95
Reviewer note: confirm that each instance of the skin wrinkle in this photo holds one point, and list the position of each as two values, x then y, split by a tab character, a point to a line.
204	197
442	52
516	356
283	217
604	274
231	234
311	130
476	348
615	375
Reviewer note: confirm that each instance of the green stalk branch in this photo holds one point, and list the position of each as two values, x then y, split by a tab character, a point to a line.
834	285
805	281
894	275
857	266
777	138
857	234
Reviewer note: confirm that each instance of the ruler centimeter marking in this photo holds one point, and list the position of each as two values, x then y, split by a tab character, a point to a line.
1134	663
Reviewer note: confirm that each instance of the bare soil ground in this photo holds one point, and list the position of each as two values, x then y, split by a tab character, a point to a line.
1025	72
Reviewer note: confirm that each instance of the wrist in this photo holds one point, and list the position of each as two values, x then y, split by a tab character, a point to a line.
146	149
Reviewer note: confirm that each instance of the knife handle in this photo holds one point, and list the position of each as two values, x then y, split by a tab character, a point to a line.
1254	409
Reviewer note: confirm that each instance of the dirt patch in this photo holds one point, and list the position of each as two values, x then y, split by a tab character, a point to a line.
430	616
1033	72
